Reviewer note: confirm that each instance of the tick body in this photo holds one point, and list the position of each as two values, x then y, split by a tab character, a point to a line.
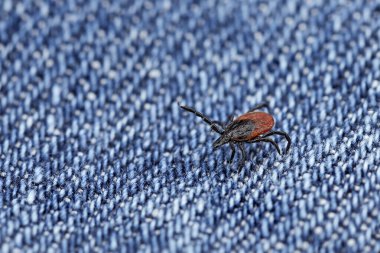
253	126
260	123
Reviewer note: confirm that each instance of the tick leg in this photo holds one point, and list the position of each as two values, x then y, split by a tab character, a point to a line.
229	120
224	124
259	106
213	124
218	122
232	153
270	141
243	158
282	133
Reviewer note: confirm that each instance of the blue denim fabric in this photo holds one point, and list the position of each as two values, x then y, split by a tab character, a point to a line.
96	155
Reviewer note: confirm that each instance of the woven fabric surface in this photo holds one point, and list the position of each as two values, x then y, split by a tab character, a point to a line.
96	155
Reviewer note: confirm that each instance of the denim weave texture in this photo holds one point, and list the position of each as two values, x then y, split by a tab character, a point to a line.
96	155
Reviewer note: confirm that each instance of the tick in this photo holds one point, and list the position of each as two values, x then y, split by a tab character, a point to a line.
251	127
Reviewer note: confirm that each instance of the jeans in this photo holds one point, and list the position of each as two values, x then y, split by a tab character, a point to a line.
97	156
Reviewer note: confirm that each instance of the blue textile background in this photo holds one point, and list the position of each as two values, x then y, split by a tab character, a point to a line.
96	156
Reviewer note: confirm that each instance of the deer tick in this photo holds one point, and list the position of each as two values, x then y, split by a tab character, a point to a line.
251	127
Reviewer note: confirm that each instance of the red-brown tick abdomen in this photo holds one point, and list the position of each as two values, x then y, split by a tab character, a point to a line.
262	121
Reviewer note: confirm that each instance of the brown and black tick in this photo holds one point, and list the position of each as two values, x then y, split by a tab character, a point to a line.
251	127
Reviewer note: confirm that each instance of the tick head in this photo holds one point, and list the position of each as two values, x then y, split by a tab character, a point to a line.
221	141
